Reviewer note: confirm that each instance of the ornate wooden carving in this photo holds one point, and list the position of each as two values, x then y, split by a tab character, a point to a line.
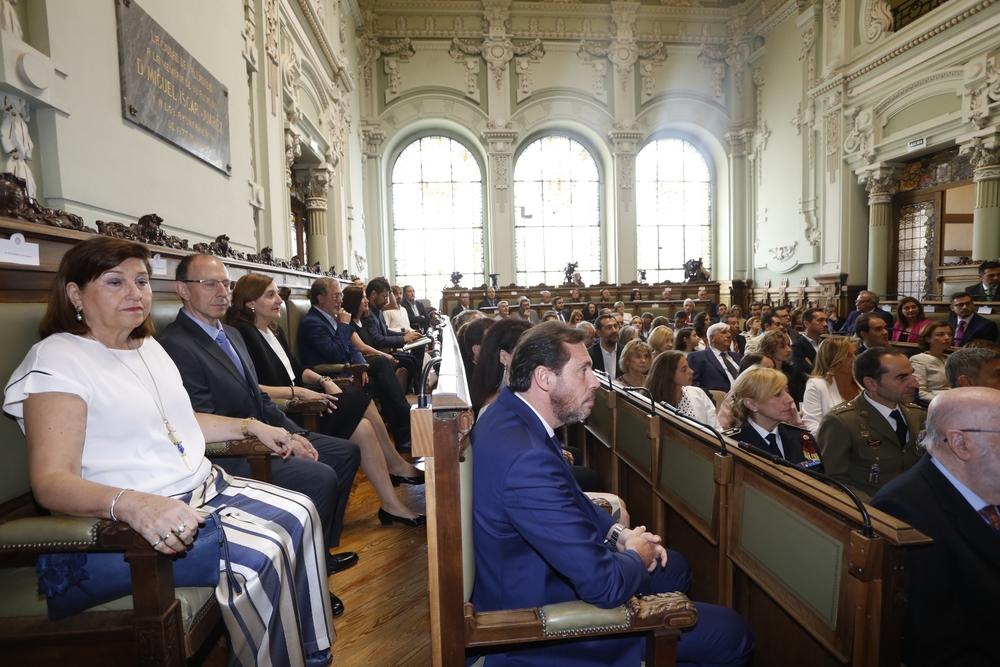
677	610
15	203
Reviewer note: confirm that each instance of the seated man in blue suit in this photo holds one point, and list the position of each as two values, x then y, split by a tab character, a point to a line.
326	337
716	367
539	540
952	497
967	323
867	302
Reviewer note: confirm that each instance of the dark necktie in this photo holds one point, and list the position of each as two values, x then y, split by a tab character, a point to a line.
959	333
227	347
991	514
728	363
772	440
901	430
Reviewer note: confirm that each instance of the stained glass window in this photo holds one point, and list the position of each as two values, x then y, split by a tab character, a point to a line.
557	212
437	216
916	244
673	209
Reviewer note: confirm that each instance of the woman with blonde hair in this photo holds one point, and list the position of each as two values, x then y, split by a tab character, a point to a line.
575	317
775	344
763	406
634	363
661	339
832	381
669	381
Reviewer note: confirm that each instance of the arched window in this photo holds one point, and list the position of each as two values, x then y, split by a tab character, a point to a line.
557	212
673	209
437	216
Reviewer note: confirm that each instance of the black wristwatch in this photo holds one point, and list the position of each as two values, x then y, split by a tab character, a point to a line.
616	531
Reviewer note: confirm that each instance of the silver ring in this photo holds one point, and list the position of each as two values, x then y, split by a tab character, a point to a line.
181	528
155	543
165	538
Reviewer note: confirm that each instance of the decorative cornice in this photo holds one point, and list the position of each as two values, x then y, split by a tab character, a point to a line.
769	23
921	38
340	70
355	12
937	76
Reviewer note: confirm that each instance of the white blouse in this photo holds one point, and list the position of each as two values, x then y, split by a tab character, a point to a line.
929	371
126	442
821	396
696	404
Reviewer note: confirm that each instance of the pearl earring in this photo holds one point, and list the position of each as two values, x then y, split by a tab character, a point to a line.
79	314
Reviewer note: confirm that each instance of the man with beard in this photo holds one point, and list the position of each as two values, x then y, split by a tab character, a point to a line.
606	352
539	540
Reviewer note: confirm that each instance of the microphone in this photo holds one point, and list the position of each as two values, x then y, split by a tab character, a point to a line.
691	420
866	520
424	400
652	404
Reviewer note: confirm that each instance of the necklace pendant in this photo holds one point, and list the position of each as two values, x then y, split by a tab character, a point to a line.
187	461
175	437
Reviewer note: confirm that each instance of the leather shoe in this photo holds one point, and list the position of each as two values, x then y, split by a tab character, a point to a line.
399	479
340	562
337	605
319	659
387	519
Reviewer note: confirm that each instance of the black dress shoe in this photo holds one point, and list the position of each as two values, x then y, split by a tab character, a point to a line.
340	562
399	479
336	604
387	519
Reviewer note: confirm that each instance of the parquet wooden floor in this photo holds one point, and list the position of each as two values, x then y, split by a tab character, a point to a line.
387	621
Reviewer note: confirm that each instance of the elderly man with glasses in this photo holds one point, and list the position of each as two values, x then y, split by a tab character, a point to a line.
867	302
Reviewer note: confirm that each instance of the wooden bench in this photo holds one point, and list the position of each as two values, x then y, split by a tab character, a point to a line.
782	549
439	434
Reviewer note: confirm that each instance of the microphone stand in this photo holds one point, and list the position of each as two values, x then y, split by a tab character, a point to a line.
866	520
424	399
691	420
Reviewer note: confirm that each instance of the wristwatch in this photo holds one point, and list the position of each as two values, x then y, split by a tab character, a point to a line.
245	426
616	532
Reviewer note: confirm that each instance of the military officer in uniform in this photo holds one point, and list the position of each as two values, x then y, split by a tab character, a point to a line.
871	440
762	404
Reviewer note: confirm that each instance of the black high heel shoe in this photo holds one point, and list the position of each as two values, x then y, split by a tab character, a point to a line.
399	479
387	519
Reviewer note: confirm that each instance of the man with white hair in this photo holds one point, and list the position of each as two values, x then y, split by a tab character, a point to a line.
524	311
951	496
687	311
716	367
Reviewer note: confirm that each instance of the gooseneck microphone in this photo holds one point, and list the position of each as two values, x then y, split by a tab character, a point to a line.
866	520
691	420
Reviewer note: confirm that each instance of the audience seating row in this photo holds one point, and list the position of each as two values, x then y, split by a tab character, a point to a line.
784	550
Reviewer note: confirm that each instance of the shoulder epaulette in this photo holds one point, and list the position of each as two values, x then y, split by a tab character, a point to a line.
731	432
843	407
916	406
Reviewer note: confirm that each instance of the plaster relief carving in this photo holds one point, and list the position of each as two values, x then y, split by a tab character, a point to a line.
861	138
497	52
832	144
271	48
293	149
16	139
523	68
373	49
471	72
249	36
735	55
833	10
372	139
393	76
877	20
291	71
500	168
626	163
623	55
783	253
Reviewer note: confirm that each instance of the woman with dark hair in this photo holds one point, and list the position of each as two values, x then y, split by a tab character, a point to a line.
590	312
574	296
775	344
700	325
686	340
636	295
356	304
669	381
111	433
763	408
928	366
255	311
910	321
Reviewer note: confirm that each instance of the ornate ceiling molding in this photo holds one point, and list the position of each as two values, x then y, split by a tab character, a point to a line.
340	71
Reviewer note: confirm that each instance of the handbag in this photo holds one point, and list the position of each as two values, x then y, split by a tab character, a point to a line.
72	583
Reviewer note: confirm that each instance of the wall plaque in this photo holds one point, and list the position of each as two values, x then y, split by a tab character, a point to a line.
168	92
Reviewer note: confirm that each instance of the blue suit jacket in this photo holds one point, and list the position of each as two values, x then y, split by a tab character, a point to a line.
319	343
539	539
708	371
848	325
382	337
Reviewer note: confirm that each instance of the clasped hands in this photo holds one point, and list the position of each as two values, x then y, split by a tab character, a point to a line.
282	442
647	545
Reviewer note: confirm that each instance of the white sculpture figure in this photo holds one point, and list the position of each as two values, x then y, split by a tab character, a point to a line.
14	137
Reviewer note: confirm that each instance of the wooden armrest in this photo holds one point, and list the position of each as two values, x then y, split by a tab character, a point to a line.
337	369
55	534
577	619
302	406
258	454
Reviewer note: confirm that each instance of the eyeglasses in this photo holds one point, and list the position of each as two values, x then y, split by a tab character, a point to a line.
213	284
335	295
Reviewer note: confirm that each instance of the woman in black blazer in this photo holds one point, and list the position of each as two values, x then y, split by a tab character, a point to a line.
254	313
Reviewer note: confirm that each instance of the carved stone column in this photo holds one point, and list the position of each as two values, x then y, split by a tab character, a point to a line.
500	136
375	213
626	137
313	185
985	160
740	216
877	180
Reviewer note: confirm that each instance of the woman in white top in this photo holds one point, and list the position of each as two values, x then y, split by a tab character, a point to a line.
928	366
111	434
669	381
832	380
